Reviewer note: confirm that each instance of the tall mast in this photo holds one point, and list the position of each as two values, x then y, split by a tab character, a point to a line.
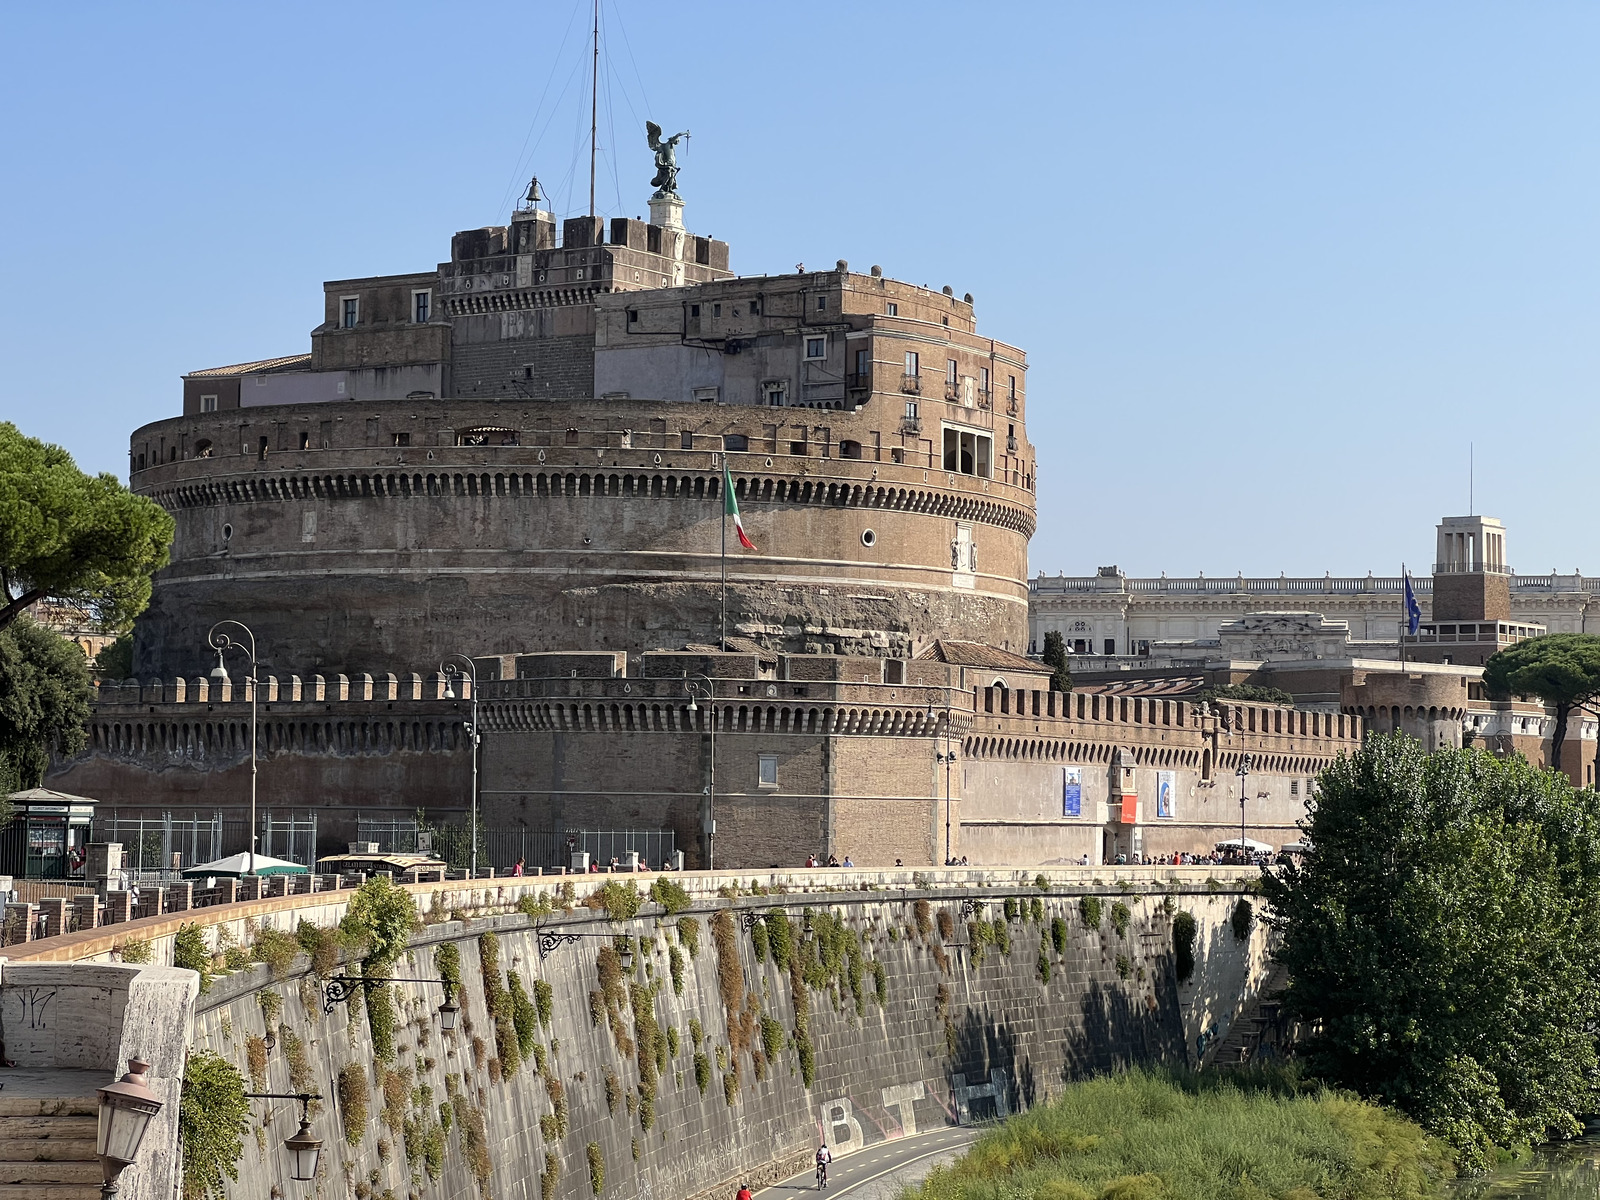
594	103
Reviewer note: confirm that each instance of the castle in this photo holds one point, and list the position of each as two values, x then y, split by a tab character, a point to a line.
519	456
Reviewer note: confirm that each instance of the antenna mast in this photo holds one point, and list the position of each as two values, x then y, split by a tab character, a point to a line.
594	104
1472	509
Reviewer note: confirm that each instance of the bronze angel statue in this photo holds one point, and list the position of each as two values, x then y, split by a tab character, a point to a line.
666	151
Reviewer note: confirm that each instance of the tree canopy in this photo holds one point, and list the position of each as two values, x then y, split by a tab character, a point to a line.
44	702
1562	669
77	537
1439	931
1055	657
1247	693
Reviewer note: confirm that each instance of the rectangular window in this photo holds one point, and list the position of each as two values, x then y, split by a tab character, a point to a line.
755	308
350	310
694	310
913	363
775	395
685	440
950	369
738	443
863	363
208	404
305	439
421	302
1013	387
706	395
633	316
767	771
822	304
911	410
967	452
983	379
816	347
892	309
716	310
402	439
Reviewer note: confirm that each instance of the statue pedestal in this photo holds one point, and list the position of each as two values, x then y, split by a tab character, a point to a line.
666	211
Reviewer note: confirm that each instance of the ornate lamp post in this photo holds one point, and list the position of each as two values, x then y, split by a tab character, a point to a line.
126	1109
1244	774
222	642
699	687
304	1149
459	665
948	758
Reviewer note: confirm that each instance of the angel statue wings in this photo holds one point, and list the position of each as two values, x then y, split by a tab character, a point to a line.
666	152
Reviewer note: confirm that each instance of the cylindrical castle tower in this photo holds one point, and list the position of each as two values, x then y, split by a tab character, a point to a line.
566	528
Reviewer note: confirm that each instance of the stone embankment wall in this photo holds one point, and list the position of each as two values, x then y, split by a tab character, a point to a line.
713	1058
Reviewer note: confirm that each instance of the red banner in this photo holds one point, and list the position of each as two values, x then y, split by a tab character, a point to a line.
1130	808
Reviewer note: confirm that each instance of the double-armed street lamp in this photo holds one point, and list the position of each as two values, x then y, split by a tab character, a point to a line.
221	641
459	666
698	687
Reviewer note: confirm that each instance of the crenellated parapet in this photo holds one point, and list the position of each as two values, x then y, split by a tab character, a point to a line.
291	689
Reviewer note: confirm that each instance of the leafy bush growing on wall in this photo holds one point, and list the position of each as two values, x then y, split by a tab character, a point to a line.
213	1116
524	1016
758	937
544	998
675	967
619	901
277	949
1119	918
1058	935
597	1168
1044	961
923	914
702	1072
1089	910
354	1096
189	951
381	918
670	894
497	999
1243	919
689	935
1183	930
780	938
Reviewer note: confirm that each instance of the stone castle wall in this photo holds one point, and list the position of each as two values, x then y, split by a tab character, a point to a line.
854	766
959	1029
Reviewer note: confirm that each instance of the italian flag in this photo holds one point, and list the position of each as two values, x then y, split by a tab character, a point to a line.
730	506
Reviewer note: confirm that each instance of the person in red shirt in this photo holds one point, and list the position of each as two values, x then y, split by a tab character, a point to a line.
744	1192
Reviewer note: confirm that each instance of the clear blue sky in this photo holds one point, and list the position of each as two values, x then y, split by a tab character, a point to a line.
1275	265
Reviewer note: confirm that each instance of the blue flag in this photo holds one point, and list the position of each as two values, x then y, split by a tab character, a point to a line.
1413	609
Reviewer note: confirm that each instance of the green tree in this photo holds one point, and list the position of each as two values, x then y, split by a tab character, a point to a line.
1055	657
116	660
1562	669
1245	693
76	537
1437	931
44	702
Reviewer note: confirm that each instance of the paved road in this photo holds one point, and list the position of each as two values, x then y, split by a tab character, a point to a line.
884	1166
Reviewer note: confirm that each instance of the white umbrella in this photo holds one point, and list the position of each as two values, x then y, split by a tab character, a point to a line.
1249	844
1294	847
238	865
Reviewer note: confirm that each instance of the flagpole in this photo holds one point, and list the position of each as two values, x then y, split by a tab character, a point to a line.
723	644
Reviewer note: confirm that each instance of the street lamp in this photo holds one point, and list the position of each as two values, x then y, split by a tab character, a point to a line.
450	670
948	758
222	642
340	988
304	1149
126	1109
1243	773
699	687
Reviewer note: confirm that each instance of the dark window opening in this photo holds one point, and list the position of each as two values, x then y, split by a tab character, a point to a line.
686	440
402	439
305	439
261	451
737	442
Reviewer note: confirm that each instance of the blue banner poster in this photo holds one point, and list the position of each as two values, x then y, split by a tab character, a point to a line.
1166	784
1072	791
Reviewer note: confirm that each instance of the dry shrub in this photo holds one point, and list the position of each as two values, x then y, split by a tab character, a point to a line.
354	1096
730	977
947	925
255	1053
924	912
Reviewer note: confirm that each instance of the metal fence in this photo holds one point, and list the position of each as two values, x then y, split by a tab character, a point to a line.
501	848
164	845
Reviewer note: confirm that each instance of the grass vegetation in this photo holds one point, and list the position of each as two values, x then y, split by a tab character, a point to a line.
1184	1136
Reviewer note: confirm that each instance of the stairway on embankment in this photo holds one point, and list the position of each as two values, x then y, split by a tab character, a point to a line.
47	1135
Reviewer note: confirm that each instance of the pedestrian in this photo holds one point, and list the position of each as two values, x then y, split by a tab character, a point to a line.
518	869
898	863
847	861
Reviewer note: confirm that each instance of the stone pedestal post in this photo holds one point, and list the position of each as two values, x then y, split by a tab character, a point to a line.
19	923
55	915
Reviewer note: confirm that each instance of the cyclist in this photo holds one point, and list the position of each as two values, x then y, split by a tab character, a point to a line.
824	1157
744	1192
